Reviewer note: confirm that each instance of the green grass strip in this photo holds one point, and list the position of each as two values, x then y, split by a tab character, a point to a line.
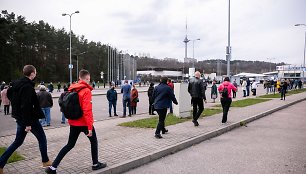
170	119
15	156
246	102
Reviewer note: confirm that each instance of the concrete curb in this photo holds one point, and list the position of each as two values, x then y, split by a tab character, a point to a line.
141	160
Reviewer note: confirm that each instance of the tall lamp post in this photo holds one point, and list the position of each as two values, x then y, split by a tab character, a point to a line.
193	50
70	65
77	64
228	48
304	52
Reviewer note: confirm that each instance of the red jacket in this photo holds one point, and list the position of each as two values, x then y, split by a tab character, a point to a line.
85	99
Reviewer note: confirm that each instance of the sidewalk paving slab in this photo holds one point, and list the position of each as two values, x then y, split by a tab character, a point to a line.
125	148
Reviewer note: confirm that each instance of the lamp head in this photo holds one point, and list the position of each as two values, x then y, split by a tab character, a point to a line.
77	12
64	14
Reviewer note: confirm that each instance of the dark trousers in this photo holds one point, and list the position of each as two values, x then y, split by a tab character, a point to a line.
73	137
283	94
198	107
226	103
234	94
254	92
110	105
38	132
6	109
161	121
151	108
244	93
247	90
126	103
133	110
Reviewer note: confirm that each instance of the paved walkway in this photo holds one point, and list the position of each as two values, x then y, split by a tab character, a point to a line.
120	145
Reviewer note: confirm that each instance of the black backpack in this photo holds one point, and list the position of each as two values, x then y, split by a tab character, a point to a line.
70	105
224	92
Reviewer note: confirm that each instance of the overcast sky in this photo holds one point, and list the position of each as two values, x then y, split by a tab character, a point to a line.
260	29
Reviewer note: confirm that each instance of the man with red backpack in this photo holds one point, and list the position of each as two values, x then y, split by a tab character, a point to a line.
83	124
225	90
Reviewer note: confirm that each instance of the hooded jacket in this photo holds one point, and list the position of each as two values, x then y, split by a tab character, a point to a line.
230	87
25	105
85	99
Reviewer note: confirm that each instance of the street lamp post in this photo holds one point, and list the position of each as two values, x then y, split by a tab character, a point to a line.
77	64
304	52
193	50
70	65
228	49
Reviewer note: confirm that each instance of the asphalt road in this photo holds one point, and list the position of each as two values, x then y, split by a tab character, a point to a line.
271	145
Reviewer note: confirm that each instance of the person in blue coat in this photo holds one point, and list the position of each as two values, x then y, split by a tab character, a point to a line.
162	95
112	100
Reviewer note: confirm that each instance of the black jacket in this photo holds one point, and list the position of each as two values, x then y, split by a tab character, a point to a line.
163	95
150	94
196	88
25	106
111	95
45	99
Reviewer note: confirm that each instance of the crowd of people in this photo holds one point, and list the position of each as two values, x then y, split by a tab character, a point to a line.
31	109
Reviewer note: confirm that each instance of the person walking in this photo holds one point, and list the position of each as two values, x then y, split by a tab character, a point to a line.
59	87
236	85
300	84
126	98
283	89
171	85
244	83
151	100
248	85
214	91
51	87
134	100
27	112
5	101
197	93
61	99
162	95
225	90
83	124
46	102
112	100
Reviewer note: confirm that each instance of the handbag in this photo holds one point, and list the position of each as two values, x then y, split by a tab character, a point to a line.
214	96
136	100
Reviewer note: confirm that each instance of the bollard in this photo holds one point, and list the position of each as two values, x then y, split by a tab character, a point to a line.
183	108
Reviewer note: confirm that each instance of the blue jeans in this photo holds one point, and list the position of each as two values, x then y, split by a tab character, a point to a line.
126	103
38	132
46	112
110	104
247	90
63	118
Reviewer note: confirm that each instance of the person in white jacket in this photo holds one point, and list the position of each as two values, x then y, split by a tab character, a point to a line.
254	87
243	85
